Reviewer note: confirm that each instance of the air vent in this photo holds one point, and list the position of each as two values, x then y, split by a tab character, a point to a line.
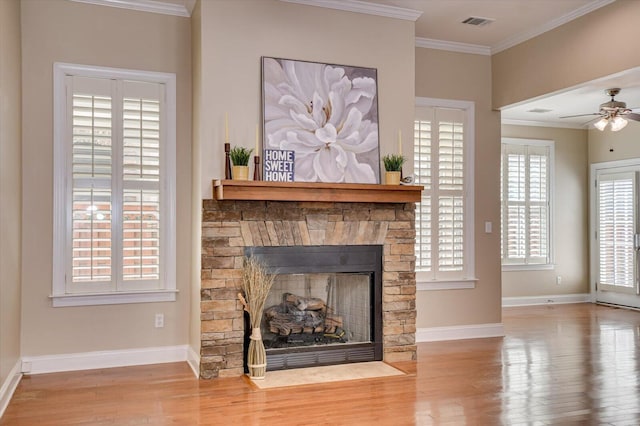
478	21
540	110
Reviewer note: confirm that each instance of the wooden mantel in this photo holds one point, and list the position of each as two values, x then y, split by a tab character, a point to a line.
315	191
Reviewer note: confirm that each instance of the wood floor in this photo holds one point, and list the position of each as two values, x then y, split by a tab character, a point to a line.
564	364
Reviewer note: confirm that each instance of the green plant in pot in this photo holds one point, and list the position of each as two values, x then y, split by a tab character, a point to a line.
240	158
393	167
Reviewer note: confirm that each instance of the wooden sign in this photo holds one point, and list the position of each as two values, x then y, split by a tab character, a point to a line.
279	165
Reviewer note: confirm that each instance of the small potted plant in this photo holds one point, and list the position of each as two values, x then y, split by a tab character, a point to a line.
240	159
393	167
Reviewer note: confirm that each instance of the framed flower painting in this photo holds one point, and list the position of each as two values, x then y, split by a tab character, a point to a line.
320	122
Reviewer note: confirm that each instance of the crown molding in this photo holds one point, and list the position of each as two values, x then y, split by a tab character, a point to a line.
452	46
145	6
555	23
534	123
363	7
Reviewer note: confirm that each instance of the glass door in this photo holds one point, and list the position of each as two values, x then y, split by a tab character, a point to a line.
617	239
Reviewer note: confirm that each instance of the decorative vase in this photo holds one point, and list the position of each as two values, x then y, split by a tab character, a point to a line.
392	178
256	356
240	173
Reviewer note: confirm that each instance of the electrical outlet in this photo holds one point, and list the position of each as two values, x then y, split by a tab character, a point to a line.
159	320
558	279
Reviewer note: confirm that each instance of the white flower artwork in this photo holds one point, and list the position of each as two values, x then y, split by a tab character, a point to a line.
326	114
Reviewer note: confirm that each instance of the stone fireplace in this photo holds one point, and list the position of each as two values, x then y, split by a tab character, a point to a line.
230	227
325	306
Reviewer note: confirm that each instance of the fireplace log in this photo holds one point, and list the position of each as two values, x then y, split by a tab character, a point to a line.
304	303
332	323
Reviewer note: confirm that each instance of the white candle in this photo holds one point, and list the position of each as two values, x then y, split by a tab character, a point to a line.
226	127
399	142
257	140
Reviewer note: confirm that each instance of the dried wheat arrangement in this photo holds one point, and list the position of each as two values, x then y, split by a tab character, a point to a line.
256	283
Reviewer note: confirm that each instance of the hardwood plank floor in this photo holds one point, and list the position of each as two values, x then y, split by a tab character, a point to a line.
563	365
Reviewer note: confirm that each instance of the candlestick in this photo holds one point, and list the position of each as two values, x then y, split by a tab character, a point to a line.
226	127
227	161
256	168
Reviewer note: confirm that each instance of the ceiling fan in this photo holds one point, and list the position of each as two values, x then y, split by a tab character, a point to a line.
613	112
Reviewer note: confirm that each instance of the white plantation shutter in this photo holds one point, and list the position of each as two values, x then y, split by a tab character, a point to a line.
616	228
422	172
526	202
439	165
141	181
91	107
120	172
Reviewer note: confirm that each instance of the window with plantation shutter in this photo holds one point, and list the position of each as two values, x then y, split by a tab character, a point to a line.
114	183
444	216
526	202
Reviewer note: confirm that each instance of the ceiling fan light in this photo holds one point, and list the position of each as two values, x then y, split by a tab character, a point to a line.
601	124
618	123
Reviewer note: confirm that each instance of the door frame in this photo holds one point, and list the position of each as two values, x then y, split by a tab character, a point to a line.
594	168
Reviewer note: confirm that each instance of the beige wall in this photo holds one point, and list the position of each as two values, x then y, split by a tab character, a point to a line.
235	34
570	217
625	144
595	45
448	75
10	186
60	30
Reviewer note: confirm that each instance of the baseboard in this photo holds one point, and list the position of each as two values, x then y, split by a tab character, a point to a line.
193	358
9	386
557	299
474	331
103	359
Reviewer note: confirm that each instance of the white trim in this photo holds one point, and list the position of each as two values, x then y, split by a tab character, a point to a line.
551	145
145	6
62	220
553	299
363	7
459	332
104	359
446	285
452	46
113	298
9	386
193	358
533	267
555	23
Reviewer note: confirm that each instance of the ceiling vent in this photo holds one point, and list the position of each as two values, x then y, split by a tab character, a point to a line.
540	110
478	21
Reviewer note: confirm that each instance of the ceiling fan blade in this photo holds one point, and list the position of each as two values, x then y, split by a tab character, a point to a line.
580	115
590	121
632	116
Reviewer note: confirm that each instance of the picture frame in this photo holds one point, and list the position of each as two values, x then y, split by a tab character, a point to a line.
327	115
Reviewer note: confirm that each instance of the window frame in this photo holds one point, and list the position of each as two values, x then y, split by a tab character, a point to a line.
427	280
62	226
550	264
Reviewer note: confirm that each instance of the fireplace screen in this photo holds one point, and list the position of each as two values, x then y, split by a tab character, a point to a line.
318	309
325	305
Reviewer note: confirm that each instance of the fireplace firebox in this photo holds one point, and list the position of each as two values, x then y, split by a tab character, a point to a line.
325	306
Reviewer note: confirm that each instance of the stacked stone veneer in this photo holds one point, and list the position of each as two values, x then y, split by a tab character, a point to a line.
230	226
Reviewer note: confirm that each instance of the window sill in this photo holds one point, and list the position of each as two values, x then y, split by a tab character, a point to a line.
465	284
113	298
515	268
